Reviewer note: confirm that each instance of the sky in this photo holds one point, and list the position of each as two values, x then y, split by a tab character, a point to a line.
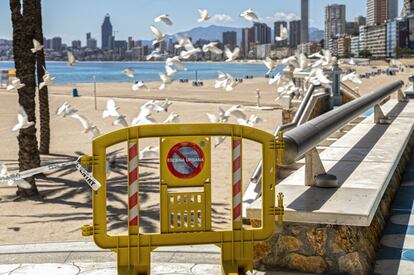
73	19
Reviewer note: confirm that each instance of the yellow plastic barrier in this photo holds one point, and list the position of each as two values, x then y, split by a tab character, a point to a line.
185	163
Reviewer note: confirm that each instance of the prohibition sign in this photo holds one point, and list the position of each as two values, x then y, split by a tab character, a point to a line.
185	160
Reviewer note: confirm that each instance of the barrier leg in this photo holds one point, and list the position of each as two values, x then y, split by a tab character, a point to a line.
130	264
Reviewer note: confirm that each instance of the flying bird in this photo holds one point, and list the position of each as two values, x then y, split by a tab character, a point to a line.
203	15
159	36
154	54
250	15
283	34
170	71
166	80
172	118
251	121
47	79
149	152
212	47
111	109
231	55
143	117
22	120
163	18
121	120
181	41
163	104
129	72
353	77
15	85
71	59
157	107
189	50
270	64
88	127
176	62
226	81
36	46
139	85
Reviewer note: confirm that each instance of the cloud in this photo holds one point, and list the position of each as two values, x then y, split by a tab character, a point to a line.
279	16
222	18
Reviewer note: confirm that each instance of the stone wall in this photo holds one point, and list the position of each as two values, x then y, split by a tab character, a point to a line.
321	248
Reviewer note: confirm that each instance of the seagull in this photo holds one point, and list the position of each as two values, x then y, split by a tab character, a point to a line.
111	109
172	118
149	152
181	41
170	71
250	15
23	120
163	18
165	81
231	55
120	120
283	34
129	72
68	111
317	77
251	121
270	64
87	126
71	59
226	81
163	104
20	183
352	77
189	50
275	79
212	47
144	117
159	36
224	116
62	108
139	85
36	46
154	54
203	16
316	55
291	60
47	79
15	85
176	62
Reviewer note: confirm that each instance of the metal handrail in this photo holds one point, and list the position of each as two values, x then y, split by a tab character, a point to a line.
301	139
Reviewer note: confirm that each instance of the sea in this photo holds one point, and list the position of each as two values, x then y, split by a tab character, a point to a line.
83	72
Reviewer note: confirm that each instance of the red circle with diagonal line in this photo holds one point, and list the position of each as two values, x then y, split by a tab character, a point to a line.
185	160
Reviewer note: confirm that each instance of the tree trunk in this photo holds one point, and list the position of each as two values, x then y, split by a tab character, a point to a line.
43	93
25	70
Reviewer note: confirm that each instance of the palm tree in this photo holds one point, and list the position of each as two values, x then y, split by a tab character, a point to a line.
24	60
43	93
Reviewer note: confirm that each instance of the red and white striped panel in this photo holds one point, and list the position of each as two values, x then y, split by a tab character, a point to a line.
237	184
133	182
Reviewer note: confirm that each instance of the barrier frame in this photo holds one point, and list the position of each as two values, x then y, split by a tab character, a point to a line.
133	250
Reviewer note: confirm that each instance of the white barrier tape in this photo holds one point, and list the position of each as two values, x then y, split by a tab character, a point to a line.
90	180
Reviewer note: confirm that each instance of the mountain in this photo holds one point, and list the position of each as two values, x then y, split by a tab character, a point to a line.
211	33
315	34
214	32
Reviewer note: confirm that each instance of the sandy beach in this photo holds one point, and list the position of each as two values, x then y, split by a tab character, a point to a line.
66	202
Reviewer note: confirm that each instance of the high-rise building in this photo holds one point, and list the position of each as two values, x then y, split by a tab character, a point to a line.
379	11
76	44
230	39
106	31
360	21
304	17
277	27
248	41
408	8
92	43
131	43
335	22
88	36
294	33
262	33
57	43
